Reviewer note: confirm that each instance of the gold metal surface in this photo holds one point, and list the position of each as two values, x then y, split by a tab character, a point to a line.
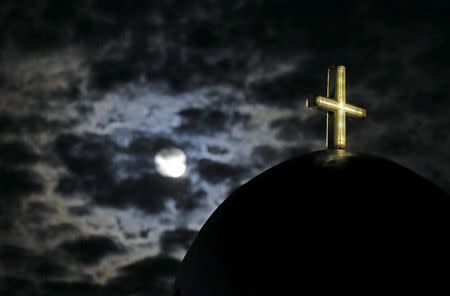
336	107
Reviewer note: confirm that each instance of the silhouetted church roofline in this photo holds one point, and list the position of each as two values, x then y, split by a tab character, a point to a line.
345	221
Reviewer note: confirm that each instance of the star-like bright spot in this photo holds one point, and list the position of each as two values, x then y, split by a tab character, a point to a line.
171	162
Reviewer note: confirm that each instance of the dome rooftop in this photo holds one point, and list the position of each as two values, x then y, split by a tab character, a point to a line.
329	221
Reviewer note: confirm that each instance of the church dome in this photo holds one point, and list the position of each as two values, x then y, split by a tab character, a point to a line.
329	221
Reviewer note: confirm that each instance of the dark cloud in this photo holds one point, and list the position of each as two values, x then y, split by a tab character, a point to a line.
218	172
151	276
192	201
86	156
288	129
12	255
194	120
287	88
16	153
436	103
389	113
148	192
397	142
217	150
438	134
294	151
383	84
7	224
52	24
31	29
265	156
108	73
206	121
57	231
18	182
18	260
314	126
176	239
69	185
149	146
48	269
71	288
90	250
41	207
28	124
155	57
89	160
144	233
79	210
191	37
37	212
11	285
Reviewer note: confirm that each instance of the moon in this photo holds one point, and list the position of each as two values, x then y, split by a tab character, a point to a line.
171	162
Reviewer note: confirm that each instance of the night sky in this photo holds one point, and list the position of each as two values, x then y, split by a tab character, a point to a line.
91	91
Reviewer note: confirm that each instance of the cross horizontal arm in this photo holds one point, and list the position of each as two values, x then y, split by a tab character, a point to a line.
354	111
325	103
322	103
333	106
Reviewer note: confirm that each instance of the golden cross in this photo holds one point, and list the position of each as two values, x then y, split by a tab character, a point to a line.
337	109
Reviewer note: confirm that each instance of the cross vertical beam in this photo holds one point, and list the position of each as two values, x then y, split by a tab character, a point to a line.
338	128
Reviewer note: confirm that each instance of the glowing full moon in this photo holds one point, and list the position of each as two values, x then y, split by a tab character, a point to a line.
171	162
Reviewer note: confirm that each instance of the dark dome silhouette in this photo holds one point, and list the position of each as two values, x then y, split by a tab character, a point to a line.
325	222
